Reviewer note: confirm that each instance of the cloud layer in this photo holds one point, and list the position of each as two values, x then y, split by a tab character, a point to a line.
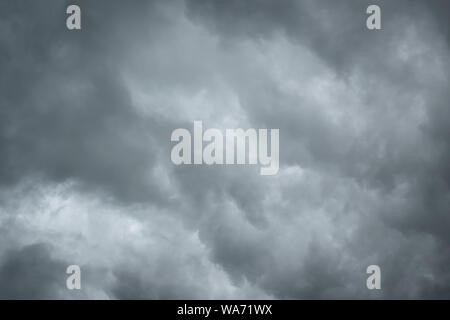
85	170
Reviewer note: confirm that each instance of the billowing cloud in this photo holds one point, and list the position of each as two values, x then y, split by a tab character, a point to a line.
86	176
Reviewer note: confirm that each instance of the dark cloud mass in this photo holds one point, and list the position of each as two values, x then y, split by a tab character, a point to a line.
85	171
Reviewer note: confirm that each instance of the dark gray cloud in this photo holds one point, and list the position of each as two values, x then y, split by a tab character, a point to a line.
30	273
85	124
63	87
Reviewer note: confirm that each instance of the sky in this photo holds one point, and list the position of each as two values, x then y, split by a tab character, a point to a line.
86	177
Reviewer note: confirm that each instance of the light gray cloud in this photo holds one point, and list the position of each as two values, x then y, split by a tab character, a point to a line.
85	123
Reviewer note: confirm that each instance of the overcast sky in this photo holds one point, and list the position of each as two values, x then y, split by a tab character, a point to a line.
85	170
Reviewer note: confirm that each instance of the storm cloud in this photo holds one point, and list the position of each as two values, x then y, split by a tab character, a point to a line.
85	171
